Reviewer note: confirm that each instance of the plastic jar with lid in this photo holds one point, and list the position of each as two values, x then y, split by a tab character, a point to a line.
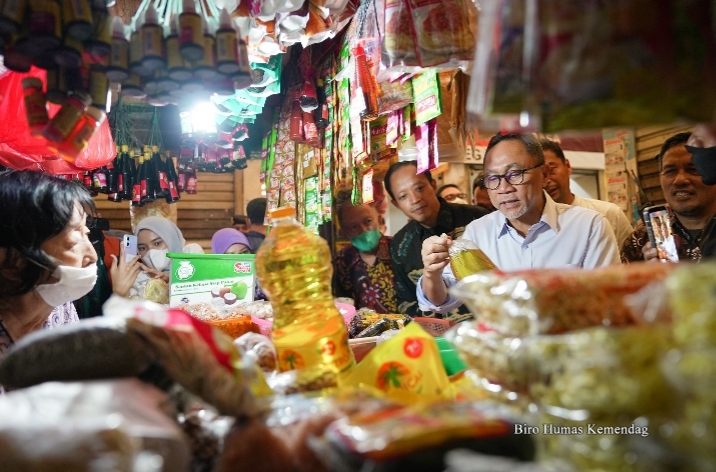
77	19
77	141
35	105
65	120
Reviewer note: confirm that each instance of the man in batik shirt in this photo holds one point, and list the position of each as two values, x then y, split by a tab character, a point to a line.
362	271
692	202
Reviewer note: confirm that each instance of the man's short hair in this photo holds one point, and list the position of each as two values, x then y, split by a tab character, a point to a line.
479	182
549	145
400	165
443	187
531	144
256	210
341	209
239	220
676	140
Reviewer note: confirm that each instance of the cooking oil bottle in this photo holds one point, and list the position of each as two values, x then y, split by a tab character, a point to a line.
294	269
466	259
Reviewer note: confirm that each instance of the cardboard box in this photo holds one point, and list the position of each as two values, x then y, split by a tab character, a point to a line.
202	278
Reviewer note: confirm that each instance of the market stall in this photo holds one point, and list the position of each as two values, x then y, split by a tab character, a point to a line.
309	103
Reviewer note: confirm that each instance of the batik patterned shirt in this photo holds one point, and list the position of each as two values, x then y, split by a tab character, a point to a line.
370	286
405	251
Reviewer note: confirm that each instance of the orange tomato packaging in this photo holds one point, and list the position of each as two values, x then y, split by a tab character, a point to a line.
406	368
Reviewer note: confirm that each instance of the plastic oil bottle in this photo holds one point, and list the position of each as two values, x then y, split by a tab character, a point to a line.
294	269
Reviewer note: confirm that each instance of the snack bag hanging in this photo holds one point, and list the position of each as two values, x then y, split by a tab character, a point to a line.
407	368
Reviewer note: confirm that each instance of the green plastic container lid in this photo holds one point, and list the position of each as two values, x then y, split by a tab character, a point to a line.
451	360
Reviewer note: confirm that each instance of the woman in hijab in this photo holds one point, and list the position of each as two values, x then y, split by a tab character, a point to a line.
230	241
156	236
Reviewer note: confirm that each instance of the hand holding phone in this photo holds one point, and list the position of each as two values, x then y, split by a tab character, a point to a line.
657	219
129	242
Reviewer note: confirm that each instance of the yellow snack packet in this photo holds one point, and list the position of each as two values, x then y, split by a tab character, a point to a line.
406	368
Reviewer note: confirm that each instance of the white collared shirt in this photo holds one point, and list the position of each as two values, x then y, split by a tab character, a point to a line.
614	215
565	236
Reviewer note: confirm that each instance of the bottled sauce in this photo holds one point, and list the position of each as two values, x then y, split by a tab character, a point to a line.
99	180
322	110
191	41
367	85
175	61
35	105
242	78
119	161
65	120
136	49
44	28
466	259
226	45
127	176
118	69
78	139
100	44
136	180
77	19
206	68
56	86
160	174
99	88
144	183
309	98
69	55
171	179
112	180
294	268
152	42
15	61
310	132
191	182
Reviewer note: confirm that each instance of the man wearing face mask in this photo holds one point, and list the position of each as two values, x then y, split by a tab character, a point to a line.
46	258
702	146
451	193
362	271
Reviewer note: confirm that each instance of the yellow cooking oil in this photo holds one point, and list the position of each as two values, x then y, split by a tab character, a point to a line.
466	259
294	270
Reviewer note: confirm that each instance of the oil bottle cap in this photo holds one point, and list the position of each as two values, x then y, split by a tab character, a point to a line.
283	212
118	28
225	19
150	15
188	6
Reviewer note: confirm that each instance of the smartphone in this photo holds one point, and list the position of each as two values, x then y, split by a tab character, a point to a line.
657	219
129	241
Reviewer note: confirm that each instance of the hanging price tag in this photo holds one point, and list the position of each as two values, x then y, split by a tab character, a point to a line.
367	196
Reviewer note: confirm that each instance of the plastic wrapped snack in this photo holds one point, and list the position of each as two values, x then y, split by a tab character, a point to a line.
157	290
260	348
89	426
416	438
365	323
466	259
692	293
557	300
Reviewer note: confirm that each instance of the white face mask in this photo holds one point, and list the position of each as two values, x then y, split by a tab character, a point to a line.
73	283
156	259
460	200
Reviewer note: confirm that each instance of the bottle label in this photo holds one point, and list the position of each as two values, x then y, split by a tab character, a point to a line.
173	191
45	18
136	193
143	188
327	346
190	29
99	85
208	52
191	184
152	41
163	181
181	182
226	46
174	59
120	183
135	48
243	57
99	180
119	54
35	109
66	119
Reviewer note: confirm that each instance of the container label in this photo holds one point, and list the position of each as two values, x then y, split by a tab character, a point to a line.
218	279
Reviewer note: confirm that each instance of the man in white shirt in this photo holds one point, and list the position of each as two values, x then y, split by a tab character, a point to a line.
528	231
558	188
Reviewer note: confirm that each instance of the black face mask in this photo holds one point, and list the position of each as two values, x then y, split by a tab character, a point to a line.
705	161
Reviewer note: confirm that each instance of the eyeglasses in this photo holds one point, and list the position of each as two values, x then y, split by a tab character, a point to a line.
513	177
453	196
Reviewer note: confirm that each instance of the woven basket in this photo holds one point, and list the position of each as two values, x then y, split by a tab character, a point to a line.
434	326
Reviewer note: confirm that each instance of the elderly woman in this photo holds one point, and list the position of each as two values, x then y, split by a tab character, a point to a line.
156	236
46	258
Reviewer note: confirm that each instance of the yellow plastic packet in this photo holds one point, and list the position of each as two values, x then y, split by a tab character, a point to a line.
406	368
